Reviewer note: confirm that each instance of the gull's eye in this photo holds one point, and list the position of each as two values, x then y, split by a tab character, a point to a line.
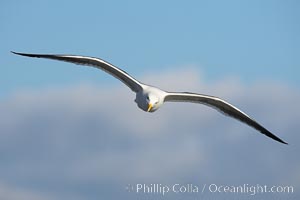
147	98
156	102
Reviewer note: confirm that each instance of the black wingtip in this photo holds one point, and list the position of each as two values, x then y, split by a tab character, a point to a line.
279	140
22	54
31	55
283	142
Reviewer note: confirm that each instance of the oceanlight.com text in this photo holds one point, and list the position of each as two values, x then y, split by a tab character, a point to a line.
247	189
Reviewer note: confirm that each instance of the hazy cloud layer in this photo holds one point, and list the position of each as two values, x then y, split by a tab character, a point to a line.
89	142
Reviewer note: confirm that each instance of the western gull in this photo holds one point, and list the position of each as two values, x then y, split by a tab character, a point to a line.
149	98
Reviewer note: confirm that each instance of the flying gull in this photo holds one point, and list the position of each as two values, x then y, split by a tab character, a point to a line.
149	98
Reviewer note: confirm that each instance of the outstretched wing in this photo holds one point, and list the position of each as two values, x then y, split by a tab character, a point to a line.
133	84
222	106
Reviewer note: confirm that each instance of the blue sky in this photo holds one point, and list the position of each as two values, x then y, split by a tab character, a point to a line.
251	40
72	132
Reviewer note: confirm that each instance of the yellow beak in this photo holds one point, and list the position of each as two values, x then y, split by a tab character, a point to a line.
149	107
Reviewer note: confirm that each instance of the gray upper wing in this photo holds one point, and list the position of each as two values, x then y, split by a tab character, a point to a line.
133	84
222	106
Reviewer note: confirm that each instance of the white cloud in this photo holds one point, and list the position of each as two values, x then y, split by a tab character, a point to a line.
13	193
66	137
